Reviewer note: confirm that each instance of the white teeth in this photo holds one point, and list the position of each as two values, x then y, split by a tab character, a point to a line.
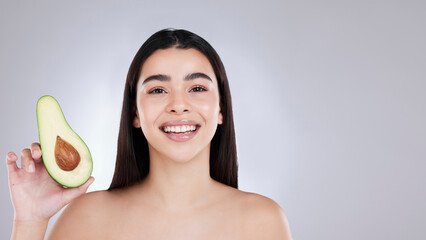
180	129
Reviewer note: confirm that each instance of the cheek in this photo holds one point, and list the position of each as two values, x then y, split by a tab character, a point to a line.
208	106
148	111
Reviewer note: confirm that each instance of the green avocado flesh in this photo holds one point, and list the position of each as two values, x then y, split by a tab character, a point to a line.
66	157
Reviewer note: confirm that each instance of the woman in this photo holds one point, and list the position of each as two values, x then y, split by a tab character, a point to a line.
176	169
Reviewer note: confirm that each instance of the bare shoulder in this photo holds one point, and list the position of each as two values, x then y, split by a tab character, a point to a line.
263	217
85	213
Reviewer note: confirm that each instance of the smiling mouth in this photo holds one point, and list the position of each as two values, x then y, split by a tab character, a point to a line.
181	129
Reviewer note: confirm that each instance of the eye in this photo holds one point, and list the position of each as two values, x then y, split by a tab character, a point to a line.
157	91
198	89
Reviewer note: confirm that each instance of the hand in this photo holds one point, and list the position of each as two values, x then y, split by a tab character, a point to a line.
35	195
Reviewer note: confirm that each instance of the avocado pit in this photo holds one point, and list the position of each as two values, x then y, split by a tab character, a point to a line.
67	157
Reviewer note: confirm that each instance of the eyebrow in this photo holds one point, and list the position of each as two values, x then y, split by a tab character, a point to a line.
193	76
159	77
164	78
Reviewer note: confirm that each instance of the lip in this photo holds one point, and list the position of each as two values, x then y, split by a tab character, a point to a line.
180	137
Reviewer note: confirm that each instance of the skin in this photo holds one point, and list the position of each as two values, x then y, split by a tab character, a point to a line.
178	199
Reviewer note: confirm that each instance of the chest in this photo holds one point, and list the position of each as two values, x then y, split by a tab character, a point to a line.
152	223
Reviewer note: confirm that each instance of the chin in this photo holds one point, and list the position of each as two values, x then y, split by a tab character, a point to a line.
180	152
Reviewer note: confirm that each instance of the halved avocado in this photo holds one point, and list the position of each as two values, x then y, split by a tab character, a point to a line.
65	155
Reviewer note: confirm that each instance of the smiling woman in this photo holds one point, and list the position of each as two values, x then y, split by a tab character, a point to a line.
176	166
158	62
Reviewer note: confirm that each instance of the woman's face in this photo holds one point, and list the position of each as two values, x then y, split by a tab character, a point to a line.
177	103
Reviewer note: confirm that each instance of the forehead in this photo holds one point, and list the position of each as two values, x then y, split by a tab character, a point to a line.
176	63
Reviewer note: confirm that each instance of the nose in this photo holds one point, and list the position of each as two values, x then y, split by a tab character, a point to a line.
178	104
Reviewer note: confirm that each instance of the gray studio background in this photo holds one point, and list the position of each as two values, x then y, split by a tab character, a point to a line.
329	98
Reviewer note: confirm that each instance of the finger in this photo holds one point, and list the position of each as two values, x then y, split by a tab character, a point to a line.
36	152
71	193
11	162
27	161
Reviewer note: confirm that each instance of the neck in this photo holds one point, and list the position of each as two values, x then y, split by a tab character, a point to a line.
178	185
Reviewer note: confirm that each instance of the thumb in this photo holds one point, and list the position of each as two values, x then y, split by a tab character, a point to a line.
71	193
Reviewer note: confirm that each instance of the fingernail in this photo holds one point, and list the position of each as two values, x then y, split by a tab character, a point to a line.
36	152
31	168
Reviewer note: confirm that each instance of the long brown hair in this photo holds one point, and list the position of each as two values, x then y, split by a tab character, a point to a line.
132	163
